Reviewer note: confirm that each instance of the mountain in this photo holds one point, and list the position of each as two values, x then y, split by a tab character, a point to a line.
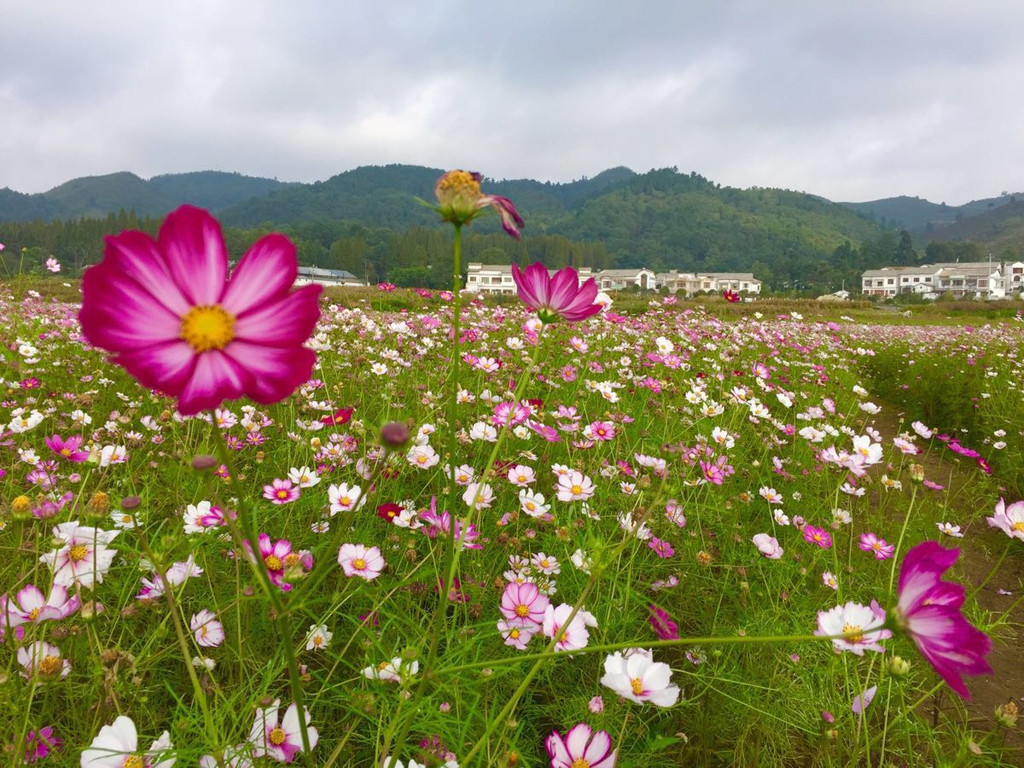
918	216
996	231
97	196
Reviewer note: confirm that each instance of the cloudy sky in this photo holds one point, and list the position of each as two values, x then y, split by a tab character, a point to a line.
850	100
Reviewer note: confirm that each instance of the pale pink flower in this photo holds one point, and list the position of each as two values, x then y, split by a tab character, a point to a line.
580	748
281	741
569	637
637	677
206	629
360	560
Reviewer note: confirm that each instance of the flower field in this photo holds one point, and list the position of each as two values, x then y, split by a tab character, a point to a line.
551	533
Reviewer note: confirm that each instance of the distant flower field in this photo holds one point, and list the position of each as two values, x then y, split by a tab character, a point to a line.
555	533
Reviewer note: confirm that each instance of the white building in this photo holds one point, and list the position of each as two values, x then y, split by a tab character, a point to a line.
1013	274
497	278
969	279
619	279
327	277
731	281
692	283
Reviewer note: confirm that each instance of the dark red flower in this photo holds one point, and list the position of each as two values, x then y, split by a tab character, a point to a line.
339	417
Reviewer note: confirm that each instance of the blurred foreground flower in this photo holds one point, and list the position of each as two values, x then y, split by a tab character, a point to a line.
558	297
460	201
169	314
929	611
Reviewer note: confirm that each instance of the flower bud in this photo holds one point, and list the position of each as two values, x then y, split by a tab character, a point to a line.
1006	714
394	434
203	461
130	502
898	666
917	473
21	507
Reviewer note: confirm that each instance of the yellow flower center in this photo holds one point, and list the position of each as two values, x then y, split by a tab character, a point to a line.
457	184
34	614
277	737
514	634
522	610
66	452
1018	527
579	762
49	666
208	327
359	564
78	553
292	559
273	563
854	633
576	489
317	640
134	761
637	685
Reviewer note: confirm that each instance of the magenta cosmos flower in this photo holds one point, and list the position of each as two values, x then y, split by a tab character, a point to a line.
580	747
70	449
168	313
929	611
556	297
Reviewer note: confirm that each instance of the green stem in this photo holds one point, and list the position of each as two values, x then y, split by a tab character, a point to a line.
899	542
992	573
276	596
611	647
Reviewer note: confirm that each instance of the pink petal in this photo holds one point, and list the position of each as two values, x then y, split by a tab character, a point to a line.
273	373
193	246
576	739
215	378
282	321
118	314
266	272
166	366
138	257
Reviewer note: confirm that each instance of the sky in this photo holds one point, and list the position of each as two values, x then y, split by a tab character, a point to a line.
849	100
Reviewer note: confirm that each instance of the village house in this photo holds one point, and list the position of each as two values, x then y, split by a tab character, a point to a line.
690	284
619	279
982	280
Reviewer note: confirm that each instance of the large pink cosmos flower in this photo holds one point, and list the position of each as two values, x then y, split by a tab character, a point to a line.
929	611
557	297
169	314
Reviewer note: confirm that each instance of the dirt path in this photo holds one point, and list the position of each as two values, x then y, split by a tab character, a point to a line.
980	548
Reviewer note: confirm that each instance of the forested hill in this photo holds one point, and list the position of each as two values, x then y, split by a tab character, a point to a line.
368	222
97	196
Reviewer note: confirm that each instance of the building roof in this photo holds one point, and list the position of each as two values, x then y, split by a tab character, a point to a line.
730	276
339	274
623	272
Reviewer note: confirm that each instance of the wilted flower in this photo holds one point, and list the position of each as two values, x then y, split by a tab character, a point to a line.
460	201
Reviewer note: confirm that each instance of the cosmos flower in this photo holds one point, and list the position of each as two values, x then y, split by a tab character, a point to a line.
862	625
360	560
580	747
460	201
523	603
560	297
571	636
638	677
281	739
167	312
929	611
1008	519
70	449
731	296
30	606
768	545
881	549
84	557
43	660
206	629
117	746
